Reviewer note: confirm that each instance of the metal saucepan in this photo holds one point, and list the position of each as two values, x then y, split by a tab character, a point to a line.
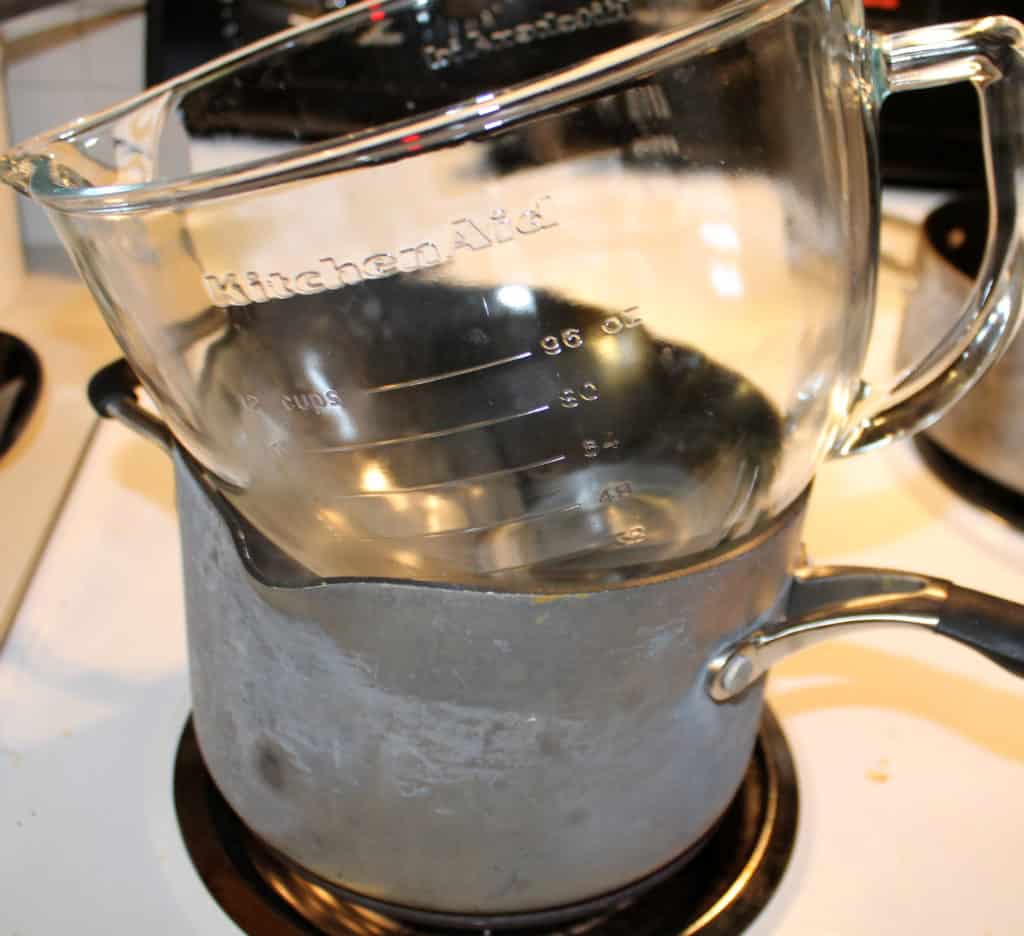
556	751
985	430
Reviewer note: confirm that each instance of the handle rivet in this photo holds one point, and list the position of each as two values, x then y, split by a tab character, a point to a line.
736	675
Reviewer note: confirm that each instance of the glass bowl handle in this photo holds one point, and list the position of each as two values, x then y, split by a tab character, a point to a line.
988	53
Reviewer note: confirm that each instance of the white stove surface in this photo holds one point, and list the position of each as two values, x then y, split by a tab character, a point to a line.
909	748
52	311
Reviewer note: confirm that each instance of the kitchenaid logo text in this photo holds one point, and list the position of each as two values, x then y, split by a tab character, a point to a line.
464	234
483	35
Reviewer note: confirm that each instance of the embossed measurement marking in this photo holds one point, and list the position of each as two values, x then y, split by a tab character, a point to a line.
469	479
593	447
634	536
570	398
615	324
423	436
423	381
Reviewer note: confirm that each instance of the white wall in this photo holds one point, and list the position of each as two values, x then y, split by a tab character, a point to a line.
64	62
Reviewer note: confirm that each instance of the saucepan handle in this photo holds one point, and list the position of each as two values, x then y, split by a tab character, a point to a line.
112	392
992	626
828	601
989	54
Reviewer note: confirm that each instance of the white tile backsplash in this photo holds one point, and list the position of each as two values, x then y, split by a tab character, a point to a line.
114	54
53	57
32	24
66	61
35	108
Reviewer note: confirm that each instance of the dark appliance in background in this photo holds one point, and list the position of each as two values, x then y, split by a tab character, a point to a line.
932	138
407	64
181	34
928	138
184	33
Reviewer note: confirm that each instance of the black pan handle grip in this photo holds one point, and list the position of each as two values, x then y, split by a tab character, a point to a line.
113	383
112	392
990	625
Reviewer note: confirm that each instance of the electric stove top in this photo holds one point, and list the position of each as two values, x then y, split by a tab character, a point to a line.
908	748
51	340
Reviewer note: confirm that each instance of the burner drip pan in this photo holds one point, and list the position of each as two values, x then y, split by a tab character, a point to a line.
975	487
714	890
